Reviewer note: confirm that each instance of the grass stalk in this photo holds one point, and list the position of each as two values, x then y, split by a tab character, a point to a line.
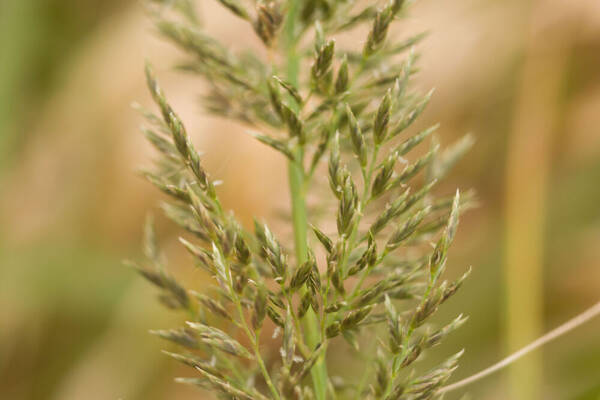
529	149
299	218
19	28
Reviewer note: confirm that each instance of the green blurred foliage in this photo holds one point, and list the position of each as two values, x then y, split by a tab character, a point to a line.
37	38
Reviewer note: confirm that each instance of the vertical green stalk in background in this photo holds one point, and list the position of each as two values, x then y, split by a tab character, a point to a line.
300	222
527	171
18	29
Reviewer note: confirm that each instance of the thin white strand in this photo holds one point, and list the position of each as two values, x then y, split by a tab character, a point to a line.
580	319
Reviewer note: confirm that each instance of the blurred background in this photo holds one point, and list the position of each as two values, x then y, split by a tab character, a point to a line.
522	75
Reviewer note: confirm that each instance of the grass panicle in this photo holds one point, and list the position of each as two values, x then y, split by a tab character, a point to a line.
378	276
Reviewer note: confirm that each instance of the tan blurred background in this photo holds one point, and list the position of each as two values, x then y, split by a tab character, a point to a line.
522	75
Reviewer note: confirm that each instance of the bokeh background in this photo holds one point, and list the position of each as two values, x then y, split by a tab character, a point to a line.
522	75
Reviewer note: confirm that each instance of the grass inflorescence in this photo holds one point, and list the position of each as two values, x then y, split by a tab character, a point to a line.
377	265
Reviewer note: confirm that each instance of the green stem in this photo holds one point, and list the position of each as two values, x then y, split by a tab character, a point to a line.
253	337
299	218
310	321
255	348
